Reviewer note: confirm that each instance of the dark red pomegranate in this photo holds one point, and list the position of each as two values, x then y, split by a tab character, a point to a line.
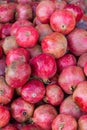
80	95
6	30
27	36
33	91
68	106
64	121
65	61
19	23
4	116
21	110
44	115
19	54
70	77
44	10
76	10
17	74
62	21
54	94
42	68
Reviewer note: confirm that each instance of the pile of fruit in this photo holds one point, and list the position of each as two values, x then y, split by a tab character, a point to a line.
43	65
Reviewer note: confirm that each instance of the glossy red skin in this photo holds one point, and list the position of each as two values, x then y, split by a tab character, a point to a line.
9	127
82	60
17	74
6	92
77	41
54	44
33	91
6	13
19	54
80	96
63	121
9	43
62	21
43	30
54	94
76	10
21	110
34	51
27	36
68	106
60	4
82	123
44	10
4	116
42	68
65	61
85	68
19	23
23	11
81	3
6	30
70	77
2	66
44	115
31	127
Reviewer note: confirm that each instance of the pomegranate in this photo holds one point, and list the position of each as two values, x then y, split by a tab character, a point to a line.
31	127
80	95
6	13
9	127
44	10
77	41
70	77
68	106
6	92
44	115
27	36
62	21
64	121
19	23
34	51
76	10
19	54
54	94
23	11
42	68
82	60
43	30
82	123
60	4
65	61
55	44
21	110
4	116
5	31
9	43
33	91
17	74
